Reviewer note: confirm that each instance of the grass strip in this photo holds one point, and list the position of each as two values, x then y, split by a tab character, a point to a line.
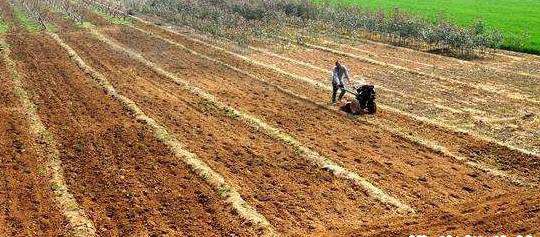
29	24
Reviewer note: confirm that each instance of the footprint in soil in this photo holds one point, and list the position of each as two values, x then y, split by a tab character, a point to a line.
19	146
202	198
468	189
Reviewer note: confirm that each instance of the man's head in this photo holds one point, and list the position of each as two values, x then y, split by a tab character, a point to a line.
338	64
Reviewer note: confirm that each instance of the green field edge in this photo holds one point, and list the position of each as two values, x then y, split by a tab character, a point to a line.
532	43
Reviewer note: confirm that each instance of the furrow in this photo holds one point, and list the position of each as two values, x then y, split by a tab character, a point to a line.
79	222
434	66
161	133
315	157
423	142
324	86
308	65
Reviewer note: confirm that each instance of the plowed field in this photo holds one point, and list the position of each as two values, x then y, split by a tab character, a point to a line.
147	130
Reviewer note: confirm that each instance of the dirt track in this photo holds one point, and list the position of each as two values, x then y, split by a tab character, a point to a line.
129	183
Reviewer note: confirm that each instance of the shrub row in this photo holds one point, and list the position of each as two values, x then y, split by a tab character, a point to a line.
241	19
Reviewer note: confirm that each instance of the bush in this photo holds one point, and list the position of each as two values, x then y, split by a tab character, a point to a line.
240	20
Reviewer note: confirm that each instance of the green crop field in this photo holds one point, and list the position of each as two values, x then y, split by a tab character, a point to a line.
514	18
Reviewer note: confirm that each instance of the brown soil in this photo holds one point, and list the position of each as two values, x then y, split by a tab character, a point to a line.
390	162
296	196
26	203
489	114
128	183
499	215
464	144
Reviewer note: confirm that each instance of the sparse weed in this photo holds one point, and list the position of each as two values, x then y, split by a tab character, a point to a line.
112	18
56	187
224	190
26	22
3	26
231	113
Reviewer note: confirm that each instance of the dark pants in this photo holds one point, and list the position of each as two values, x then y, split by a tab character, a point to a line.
335	89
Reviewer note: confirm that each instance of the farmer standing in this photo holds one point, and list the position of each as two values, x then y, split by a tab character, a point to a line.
340	78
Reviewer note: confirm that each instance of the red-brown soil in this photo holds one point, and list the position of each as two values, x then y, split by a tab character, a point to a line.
373	154
467	145
130	184
296	196
26	202
515	213
526	123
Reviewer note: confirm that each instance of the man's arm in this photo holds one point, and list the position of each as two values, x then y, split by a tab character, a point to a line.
345	79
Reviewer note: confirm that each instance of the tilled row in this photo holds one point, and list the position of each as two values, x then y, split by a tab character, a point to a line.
26	201
483	123
522	133
148	85
230	195
458	143
523	126
431	83
429	144
374	161
292	193
434	93
117	171
514	66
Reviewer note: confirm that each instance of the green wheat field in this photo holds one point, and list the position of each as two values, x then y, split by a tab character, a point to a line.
515	18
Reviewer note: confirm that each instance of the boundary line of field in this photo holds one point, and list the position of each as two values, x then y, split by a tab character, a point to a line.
422	142
199	167
78	220
510	95
315	157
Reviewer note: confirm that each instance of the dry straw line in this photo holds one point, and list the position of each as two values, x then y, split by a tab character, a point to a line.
198	166
324	86
273	132
435	66
79	223
370	53
420	141
514	58
511	95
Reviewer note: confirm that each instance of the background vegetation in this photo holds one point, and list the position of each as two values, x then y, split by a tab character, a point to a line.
241	19
519	20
